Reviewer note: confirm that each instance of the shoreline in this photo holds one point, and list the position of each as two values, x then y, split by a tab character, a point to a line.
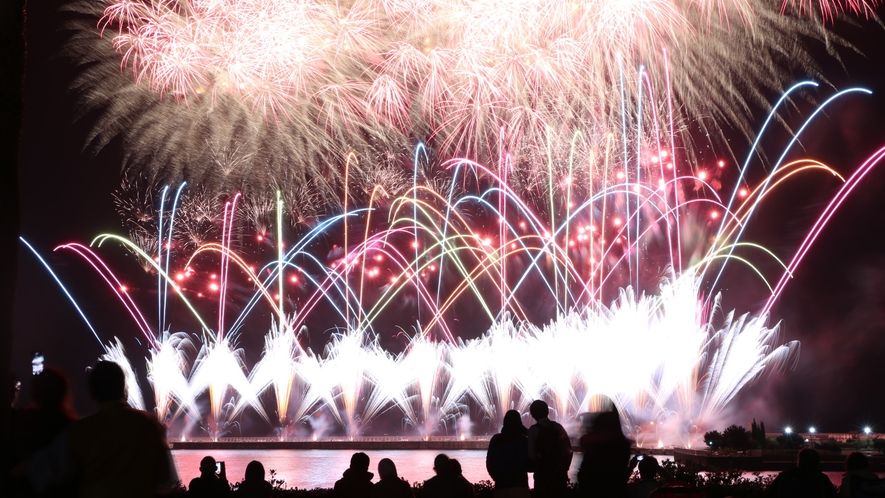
755	461
749	461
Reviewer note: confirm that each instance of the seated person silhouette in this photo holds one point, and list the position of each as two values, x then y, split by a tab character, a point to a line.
463	487
445	483
254	485
390	484
212	481
859	481
357	480
803	481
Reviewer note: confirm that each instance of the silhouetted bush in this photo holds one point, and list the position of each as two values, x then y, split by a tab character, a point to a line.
829	446
790	441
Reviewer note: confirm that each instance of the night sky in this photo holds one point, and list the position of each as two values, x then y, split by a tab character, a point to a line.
835	305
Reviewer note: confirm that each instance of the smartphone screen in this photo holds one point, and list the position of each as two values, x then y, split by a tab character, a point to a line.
218	467
37	363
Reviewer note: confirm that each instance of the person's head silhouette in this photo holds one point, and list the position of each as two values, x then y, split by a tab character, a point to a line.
387	469
441	465
513	423
648	467
455	467
107	382
856	461
608	422
808	459
207	466
359	461
539	410
254	471
50	388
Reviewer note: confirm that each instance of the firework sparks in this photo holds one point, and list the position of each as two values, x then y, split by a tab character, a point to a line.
290	88
483	245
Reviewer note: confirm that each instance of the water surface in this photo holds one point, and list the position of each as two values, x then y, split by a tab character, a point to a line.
308	469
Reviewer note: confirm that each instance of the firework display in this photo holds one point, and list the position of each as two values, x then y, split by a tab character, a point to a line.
481	203
254	96
594	255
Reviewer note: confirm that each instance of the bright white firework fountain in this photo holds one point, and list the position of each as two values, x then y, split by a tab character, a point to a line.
649	341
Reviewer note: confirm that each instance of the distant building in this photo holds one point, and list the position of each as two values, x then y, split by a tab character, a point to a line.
838	436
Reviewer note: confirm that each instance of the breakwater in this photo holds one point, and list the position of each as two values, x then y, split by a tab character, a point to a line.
343	443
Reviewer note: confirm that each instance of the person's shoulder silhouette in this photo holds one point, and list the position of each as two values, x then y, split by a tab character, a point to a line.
118	451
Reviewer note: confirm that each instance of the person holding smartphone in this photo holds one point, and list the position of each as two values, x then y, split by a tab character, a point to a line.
651	476
212	481
116	451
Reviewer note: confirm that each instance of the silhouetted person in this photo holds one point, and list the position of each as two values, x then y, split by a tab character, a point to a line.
858	478
507	457
254	485
604	470
357	480
37	426
390	485
803	481
34	428
115	452
549	453
463	487
444	484
211	483
649	469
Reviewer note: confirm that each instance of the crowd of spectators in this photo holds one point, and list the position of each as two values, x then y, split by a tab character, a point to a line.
120	451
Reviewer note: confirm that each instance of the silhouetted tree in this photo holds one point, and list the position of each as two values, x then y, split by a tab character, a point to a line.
736	438
757	431
790	441
713	440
